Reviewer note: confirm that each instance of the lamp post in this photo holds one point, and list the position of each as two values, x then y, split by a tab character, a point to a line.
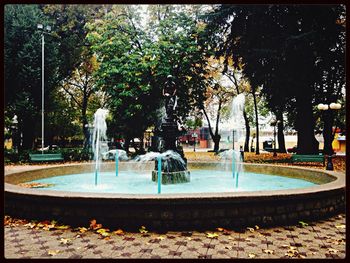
194	136
325	107
43	31
14	134
274	123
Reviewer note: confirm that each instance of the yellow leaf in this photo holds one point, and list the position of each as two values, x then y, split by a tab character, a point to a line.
53	252
340	226
212	235
31	225
160	237
251	229
103	232
119	232
82	229
62	227
257	227
333	251
143	230
268	251
251	255
65	240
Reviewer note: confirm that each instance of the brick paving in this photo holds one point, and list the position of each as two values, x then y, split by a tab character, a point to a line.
321	239
325	239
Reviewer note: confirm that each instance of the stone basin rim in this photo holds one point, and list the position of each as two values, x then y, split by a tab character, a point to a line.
336	184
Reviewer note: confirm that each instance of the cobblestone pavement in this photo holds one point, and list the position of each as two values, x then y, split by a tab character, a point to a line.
321	239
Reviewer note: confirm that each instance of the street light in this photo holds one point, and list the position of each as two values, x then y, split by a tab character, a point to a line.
43	31
194	136
325	107
274	123
14	133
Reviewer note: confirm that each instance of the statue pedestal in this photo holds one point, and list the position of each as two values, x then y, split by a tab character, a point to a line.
178	177
174	169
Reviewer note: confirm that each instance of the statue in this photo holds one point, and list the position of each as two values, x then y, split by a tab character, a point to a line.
174	168
169	92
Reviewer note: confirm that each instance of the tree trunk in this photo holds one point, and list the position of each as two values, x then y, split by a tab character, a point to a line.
256	123
247	132
216	140
127	144
28	134
305	125
327	132
85	122
280	135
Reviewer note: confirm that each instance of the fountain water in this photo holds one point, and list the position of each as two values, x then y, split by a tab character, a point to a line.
237	122
99	144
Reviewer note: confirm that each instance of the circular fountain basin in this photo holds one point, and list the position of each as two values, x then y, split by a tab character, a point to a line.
322	193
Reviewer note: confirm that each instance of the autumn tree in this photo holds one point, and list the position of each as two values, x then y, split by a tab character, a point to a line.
287	49
135	61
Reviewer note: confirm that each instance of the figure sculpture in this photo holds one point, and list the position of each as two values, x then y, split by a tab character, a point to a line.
169	92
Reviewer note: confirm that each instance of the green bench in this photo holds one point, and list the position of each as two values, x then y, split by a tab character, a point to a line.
308	158
38	157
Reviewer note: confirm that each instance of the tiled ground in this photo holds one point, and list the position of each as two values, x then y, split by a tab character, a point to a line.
322	239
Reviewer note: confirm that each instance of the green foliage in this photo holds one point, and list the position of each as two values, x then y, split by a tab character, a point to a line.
22	50
69	155
135	62
295	51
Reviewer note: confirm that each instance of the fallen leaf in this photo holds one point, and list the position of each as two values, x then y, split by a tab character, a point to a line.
119	232
62	227
82	229
161	237
143	230
94	225
251	229
65	240
31	225
257	227
333	251
53	252
251	255
103	232
212	235
340	226
303	223
268	251
220	229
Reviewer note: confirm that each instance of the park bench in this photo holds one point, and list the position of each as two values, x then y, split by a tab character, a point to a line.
45	157
308	158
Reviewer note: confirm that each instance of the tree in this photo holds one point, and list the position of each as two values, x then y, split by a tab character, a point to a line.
80	86
280	46
134	64
63	47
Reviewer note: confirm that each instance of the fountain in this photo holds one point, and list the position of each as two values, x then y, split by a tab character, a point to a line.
267	194
174	167
234	156
99	139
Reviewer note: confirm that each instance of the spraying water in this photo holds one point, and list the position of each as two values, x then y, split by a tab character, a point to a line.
237	119
234	156
99	139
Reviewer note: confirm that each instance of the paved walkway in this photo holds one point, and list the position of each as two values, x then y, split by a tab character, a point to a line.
322	239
